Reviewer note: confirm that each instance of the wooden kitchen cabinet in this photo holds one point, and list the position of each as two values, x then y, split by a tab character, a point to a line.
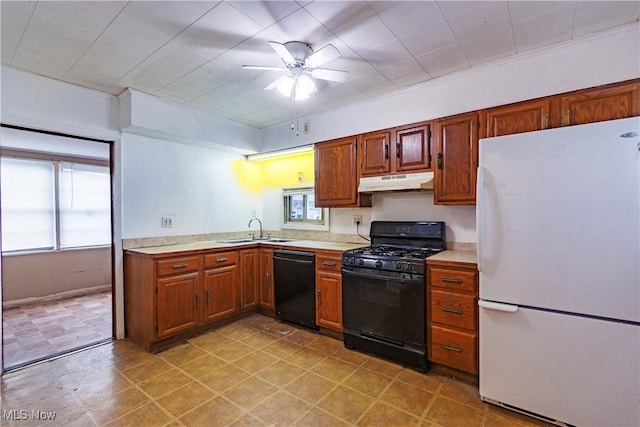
413	148
600	104
374	149
336	169
220	285
517	118
249	279
267	296
452	321
329	290
457	159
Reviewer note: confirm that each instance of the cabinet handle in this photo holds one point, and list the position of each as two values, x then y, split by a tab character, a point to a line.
545	120
206	297
451	348
451	280
329	263
319	298
197	300
181	265
439	160
386	151
566	116
397	150
452	310
222	259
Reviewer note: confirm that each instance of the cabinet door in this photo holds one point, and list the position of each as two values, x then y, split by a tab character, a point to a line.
249	264
178	304
374	153
597	105
413	149
266	280
337	174
329	300
523	117
220	293
457	160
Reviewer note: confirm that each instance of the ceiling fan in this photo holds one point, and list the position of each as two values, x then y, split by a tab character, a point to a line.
300	61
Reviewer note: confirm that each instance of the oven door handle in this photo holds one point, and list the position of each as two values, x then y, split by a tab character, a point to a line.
375	274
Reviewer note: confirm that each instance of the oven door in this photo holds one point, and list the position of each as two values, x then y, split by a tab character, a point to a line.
386	306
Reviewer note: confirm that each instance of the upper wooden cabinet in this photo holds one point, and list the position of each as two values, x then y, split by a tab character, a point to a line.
517	118
457	159
336	168
597	105
374	153
413	148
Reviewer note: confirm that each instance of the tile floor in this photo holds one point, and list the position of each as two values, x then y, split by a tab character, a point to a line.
254	372
41	330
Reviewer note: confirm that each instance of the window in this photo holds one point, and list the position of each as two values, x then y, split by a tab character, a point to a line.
300	211
51	204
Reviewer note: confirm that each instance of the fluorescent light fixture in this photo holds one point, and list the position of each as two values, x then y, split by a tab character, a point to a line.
280	153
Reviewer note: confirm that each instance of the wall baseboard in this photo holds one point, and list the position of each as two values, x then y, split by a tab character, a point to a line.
53	297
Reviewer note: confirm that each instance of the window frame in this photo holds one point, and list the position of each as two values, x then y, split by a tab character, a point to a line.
303	223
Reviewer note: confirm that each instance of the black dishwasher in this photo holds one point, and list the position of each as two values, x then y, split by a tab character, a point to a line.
294	276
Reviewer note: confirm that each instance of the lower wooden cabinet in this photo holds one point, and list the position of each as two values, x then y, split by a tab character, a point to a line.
249	279
267	296
220	286
329	290
452	323
178	303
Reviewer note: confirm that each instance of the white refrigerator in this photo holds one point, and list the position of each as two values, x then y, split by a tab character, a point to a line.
558	222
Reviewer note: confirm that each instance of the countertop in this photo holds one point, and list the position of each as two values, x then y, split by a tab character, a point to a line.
206	245
467	257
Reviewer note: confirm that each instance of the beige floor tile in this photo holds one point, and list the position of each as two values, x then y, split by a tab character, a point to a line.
125	354
280	373
181	354
305	358
280	408
59	404
367	382
31	385
351	356
384	415
281	348
256	361
233	351
301	337
250	392
164	383
216	412
211	341
334	369
148	415
382	367
223	378
202	366
236	331
501	417
407	397
120	403
248	420
149	369
462	392
423	380
94	388
346	404
325	345
185	398
318	418
447	412
310	387
259	340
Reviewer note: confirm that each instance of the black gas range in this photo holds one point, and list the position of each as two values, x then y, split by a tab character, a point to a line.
383	290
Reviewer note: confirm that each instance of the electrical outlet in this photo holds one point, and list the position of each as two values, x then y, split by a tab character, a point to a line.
306	127
167	221
357	219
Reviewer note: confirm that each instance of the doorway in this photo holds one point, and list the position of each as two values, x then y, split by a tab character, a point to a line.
57	239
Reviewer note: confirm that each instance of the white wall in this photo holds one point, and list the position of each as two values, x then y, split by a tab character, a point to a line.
606	58
199	186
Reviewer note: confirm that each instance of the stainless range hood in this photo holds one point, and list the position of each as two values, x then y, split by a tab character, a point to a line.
401	182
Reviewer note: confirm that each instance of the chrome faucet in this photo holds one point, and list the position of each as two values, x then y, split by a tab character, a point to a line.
260	222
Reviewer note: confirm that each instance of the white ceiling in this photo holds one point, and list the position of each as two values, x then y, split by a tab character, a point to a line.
191	52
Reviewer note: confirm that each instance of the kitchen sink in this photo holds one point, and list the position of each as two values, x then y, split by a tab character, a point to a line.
249	239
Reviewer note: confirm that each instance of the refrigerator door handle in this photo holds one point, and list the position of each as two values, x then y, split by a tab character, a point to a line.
497	306
480	216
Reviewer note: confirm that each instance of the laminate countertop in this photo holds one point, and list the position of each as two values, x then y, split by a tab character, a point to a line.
465	257
208	245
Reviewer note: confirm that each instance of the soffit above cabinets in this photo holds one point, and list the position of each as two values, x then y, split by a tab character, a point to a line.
191	52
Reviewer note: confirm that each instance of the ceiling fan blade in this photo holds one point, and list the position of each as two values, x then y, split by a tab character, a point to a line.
331	75
283	52
263	67
326	54
276	83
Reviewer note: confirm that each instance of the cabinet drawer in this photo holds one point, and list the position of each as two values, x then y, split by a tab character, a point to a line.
221	259
452	309
456	280
331	263
454	349
169	266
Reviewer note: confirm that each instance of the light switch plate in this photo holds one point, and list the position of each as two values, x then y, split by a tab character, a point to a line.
167	221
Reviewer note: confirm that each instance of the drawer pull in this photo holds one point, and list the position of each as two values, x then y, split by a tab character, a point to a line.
181	265
329	263
222	259
451	280
452	310
451	348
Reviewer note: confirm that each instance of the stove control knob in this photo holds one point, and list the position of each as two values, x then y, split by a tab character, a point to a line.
378	264
360	262
398	266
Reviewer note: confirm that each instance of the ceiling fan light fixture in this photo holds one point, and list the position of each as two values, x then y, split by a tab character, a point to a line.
304	88
285	85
